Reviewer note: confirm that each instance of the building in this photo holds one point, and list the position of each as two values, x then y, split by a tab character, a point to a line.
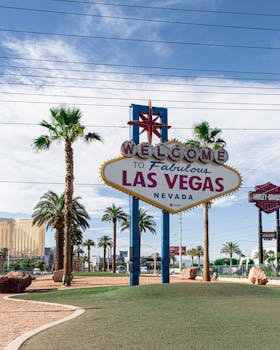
22	238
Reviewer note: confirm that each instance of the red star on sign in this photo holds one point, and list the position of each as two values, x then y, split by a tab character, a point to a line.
149	123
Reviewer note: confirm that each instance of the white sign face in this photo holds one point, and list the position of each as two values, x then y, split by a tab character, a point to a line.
170	185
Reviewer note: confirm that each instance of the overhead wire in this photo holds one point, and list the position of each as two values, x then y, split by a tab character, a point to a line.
140	89
149	20
167	8
139	66
133	73
140	99
140	40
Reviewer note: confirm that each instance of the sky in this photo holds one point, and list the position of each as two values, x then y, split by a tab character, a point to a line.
203	60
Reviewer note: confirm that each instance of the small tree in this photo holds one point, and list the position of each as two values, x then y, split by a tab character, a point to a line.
199	253
192	253
231	248
114	214
104	242
89	243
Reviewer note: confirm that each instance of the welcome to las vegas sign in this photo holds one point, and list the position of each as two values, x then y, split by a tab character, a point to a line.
171	176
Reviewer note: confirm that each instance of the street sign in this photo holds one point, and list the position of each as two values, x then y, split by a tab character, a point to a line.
269	236
266	197
176	250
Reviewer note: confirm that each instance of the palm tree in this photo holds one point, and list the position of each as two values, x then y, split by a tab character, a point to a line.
104	242
199	253
50	211
145	223
231	248
89	243
204	136
78	251
192	253
83	259
65	126
76	239
114	214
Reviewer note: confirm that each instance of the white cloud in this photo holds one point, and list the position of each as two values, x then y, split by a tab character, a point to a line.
254	154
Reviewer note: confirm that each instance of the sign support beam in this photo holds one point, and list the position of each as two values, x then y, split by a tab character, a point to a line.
260	238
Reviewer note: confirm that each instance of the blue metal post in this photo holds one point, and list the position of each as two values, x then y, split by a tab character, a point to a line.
134	216
165	248
165	259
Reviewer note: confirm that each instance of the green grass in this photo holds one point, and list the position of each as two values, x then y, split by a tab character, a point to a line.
99	274
191	316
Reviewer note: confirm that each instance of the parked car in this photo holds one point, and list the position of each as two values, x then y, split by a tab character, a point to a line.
121	269
36	271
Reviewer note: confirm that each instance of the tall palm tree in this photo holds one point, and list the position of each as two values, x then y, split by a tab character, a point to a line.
192	253
89	243
199	253
145	223
65	126
104	242
78	251
76	240
50	211
204	136
231	248
114	214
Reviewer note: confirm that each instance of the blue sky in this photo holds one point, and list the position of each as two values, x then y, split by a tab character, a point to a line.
233	88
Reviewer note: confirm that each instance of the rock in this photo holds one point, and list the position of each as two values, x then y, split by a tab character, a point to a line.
14	282
57	276
188	274
257	276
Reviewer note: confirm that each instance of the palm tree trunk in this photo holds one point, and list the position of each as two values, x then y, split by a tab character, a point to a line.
104	258
88	257
67	211
206	272
199	261
78	262
230	262
192	261
115	244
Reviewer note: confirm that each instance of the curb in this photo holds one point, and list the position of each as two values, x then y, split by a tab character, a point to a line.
16	343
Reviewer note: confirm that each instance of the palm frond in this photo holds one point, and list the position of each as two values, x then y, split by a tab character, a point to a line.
92	136
42	142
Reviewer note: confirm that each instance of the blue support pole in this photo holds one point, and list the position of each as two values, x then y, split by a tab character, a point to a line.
134	216
165	228
165	248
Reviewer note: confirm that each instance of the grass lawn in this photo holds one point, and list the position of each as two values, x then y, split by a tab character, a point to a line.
193	316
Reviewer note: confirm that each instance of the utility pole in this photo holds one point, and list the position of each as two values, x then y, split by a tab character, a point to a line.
180	242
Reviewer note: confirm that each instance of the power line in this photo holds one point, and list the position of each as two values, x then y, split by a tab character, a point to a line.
140	99
149	20
133	73
136	82
126	127
139	40
171	8
140	66
126	106
63	183
144	89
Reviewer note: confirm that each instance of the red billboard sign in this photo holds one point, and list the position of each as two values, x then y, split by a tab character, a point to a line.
176	250
266	197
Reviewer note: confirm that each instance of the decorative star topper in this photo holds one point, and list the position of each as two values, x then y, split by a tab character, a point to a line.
149	124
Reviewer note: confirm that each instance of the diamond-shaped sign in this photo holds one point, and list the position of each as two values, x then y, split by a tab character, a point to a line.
172	186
